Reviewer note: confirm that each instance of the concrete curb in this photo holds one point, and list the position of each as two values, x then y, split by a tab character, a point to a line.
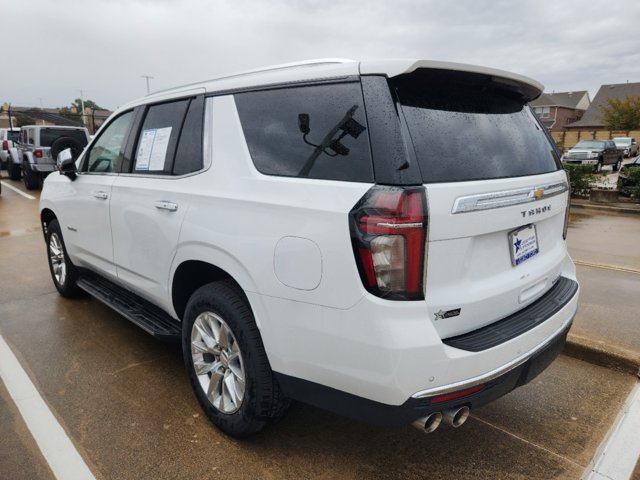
617	208
599	353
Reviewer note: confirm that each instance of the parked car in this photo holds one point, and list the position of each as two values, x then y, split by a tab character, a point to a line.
596	153
628	181
7	138
34	155
627	145
400	263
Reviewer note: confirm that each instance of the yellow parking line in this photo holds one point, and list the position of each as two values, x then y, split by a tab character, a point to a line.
607	267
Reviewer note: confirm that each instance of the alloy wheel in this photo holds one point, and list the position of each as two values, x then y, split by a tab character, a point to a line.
218	362
56	255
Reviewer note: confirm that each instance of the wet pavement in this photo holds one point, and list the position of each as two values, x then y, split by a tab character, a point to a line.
125	400
605	248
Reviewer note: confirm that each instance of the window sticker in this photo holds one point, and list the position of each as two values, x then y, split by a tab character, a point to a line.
152	151
144	149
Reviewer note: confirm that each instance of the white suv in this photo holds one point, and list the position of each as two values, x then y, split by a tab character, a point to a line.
381	239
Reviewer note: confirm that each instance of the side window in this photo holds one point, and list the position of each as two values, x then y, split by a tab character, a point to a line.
31	137
312	131
189	152
159	137
107	152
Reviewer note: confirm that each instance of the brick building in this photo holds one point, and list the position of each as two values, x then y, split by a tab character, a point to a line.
556	110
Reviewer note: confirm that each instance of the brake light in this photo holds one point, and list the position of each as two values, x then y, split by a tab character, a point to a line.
5	145
37	153
388	231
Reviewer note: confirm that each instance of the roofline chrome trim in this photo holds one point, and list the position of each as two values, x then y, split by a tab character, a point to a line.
498	372
507	198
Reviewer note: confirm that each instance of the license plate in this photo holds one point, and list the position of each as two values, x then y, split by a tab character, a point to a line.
523	244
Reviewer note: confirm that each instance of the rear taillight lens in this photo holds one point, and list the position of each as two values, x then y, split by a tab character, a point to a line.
5	145
37	153
388	231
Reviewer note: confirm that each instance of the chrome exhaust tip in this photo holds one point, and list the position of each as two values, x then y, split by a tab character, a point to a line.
456	416
429	423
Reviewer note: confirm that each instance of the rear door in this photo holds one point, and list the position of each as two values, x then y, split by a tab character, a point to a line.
496	197
150	199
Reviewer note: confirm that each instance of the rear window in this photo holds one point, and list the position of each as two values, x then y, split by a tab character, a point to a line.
590	144
469	127
14	136
50	135
317	131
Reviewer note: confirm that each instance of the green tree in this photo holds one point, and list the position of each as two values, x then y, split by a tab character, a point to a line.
621	114
77	103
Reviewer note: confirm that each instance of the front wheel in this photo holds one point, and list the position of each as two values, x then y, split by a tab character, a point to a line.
598	167
63	273
617	165
226	361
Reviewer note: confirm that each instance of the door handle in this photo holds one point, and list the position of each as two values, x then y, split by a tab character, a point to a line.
101	195
164	205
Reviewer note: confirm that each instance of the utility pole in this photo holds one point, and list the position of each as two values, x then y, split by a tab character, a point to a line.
84	120
147	78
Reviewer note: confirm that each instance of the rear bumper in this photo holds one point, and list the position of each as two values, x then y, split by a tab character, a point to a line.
42	167
494	386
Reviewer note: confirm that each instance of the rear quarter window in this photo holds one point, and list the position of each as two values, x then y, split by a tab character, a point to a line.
317	131
464	128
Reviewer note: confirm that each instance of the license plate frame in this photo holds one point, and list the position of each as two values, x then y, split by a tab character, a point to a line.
523	244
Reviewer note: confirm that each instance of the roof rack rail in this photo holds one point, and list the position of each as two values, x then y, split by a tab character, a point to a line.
284	66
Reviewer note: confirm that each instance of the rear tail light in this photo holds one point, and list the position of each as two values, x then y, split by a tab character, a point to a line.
37	153
388	230
5	145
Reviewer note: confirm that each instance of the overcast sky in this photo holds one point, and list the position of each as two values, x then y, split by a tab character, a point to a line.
104	46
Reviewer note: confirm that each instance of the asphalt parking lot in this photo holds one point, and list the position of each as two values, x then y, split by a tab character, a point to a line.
125	403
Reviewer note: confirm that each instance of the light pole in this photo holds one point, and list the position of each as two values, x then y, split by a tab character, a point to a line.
84	120
147	77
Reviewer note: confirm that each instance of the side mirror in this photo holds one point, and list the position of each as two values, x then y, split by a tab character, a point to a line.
66	164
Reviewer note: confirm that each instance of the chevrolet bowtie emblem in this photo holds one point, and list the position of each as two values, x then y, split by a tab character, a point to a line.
538	193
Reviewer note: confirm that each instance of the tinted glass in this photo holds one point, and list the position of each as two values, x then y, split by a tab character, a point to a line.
189	152
465	127
159	137
50	135
590	144
13	136
313	131
107	152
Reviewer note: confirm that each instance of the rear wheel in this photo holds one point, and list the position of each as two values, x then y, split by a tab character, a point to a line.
13	170
30	178
227	363
63	273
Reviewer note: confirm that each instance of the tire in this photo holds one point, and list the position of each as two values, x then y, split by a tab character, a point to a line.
14	171
30	178
63	273
617	165
63	143
598	167
243	395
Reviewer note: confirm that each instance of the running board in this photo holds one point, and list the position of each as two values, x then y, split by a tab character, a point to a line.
142	313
